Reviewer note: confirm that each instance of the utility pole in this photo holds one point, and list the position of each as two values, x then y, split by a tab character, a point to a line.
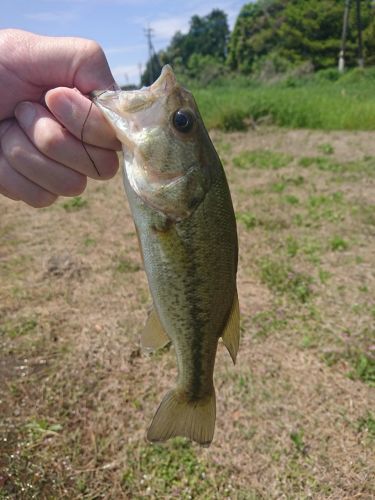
361	61
151	53
140	73
343	37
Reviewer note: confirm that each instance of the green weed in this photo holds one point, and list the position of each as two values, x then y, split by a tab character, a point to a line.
326	148
322	162
324	276
88	242
363	369
367	423
167	469
125	265
284	182
233	119
338	244
308	342
278	187
291	199
42	428
297	440
74	204
291	246
268	322
247	219
263	159
283	279
21	327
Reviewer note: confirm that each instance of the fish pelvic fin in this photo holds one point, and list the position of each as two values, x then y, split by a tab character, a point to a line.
231	334
177	416
154	336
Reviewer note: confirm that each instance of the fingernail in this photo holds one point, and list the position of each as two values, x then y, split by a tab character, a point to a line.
25	113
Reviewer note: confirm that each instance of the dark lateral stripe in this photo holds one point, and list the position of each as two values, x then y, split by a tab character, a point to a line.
196	312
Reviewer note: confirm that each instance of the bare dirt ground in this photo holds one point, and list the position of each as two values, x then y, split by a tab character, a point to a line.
296	415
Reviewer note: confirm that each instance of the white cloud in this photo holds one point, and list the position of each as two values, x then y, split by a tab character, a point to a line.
126	73
167	27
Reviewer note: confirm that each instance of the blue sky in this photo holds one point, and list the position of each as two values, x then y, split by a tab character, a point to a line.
116	24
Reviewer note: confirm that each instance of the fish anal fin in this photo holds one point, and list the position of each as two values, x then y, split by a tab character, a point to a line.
153	336
231	334
177	416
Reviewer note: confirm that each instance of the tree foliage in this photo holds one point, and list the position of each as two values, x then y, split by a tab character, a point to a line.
297	31
269	37
206	40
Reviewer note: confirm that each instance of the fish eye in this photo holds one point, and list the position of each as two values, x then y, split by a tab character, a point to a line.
183	120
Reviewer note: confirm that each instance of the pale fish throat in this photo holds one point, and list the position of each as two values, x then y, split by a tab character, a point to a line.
175	195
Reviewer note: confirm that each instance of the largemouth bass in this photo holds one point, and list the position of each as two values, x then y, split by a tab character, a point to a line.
183	213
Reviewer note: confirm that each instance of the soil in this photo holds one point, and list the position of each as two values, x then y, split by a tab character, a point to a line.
295	416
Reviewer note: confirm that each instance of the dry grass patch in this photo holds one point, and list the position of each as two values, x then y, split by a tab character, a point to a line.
295	415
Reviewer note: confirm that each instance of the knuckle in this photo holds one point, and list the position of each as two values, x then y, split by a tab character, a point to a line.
11	148
14	153
50	141
94	49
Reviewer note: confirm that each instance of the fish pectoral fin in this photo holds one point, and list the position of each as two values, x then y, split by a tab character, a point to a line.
154	336
177	416
231	334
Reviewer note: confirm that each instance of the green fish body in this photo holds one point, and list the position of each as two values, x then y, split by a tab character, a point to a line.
183	213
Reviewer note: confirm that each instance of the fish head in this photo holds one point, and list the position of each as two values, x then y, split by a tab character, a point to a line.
167	150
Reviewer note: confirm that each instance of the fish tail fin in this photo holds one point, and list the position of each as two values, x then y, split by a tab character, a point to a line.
177	416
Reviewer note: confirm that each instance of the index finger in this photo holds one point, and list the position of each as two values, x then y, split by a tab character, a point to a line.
81	118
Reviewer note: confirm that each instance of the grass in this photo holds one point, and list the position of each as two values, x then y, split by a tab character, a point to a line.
247	219
125	265
167	469
281	278
19	328
367	424
338	244
74	204
363	369
262	159
312	103
295	415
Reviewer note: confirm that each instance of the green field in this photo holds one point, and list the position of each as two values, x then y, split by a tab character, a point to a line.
324	101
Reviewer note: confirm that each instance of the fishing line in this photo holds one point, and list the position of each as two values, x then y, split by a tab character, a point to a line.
83	128
83	144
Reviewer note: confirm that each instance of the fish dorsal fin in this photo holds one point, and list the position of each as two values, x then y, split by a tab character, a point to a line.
231	334
154	336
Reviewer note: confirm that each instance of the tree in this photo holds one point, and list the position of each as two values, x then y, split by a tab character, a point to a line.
207	36
152	70
256	33
297	31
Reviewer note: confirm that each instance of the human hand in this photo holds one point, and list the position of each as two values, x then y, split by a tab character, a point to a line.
43	82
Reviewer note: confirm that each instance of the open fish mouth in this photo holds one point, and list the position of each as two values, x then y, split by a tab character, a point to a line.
134	101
